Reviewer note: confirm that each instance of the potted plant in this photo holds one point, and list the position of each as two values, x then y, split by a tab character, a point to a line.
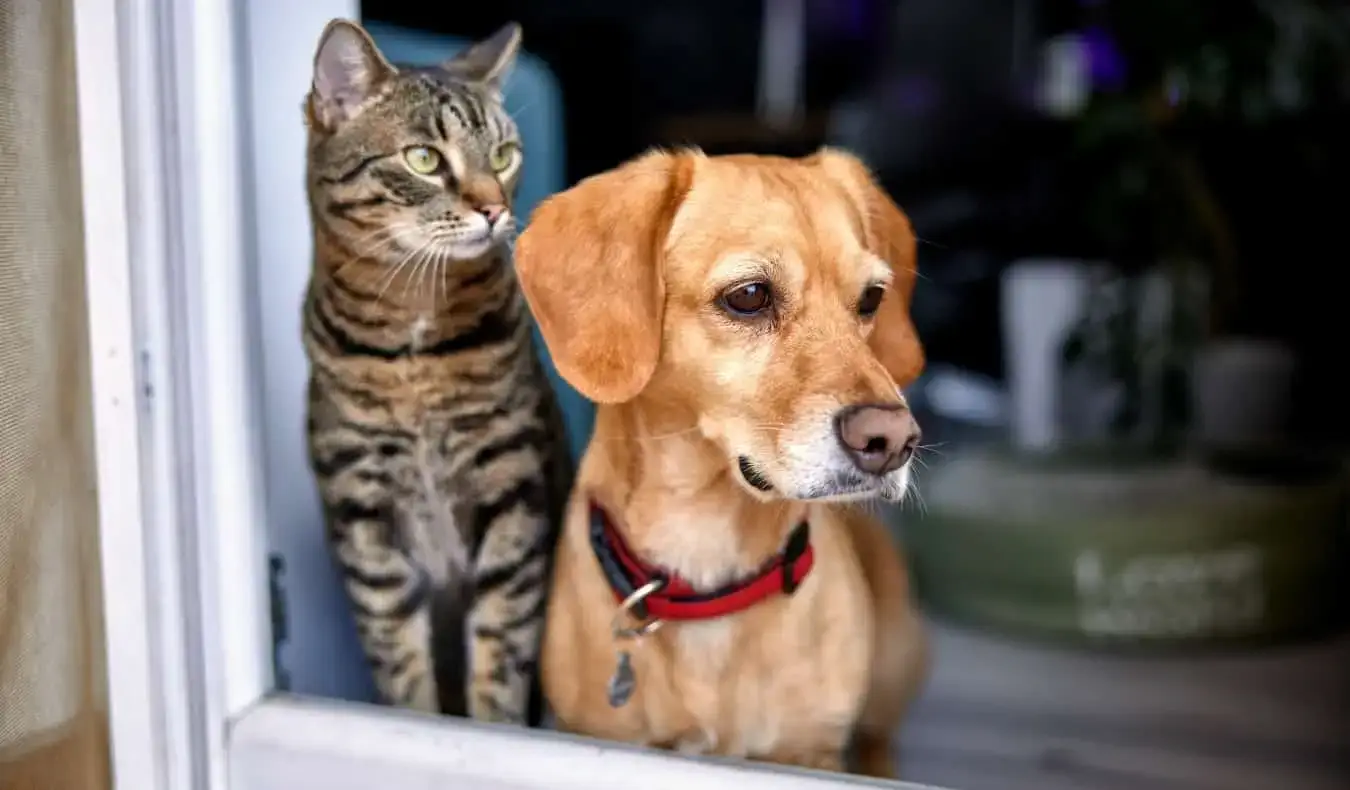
1171	82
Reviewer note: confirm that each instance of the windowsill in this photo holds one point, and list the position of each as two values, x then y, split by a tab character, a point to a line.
289	742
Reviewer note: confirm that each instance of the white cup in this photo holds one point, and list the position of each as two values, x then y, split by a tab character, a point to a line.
1041	301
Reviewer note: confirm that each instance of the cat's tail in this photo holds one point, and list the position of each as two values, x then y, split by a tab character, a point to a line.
450	647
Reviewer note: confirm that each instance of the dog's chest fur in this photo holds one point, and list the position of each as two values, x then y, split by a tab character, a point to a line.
747	684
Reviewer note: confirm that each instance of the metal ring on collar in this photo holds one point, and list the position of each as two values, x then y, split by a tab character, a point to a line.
644	628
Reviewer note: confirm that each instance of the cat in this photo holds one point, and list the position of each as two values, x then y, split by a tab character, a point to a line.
434	436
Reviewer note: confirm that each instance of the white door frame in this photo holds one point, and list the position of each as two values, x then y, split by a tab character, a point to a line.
170	232
181	527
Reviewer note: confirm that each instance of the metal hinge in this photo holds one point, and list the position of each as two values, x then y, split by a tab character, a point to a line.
276	567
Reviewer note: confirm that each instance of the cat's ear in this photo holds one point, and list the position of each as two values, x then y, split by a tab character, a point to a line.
489	61
590	266
348	70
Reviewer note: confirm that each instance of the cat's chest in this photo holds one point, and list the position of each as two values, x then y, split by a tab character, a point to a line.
422	386
421	332
431	504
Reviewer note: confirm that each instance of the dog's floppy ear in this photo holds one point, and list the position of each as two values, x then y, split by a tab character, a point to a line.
891	238
589	263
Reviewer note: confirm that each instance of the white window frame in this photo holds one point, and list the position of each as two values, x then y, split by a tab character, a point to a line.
164	109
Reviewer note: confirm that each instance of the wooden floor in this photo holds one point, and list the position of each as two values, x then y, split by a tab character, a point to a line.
1005	715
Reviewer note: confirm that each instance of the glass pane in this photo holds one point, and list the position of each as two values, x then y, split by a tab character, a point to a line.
53	723
1127	524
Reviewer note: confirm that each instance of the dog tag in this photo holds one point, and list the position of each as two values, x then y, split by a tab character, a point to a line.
622	682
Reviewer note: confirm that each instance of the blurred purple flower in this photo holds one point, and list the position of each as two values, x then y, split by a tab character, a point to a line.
1105	64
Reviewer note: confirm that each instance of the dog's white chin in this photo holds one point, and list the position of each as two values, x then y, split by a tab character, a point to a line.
809	465
893	487
887	489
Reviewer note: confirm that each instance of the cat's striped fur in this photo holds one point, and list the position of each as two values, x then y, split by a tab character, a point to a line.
433	433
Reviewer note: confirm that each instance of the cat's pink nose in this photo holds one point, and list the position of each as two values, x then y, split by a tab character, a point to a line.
492	212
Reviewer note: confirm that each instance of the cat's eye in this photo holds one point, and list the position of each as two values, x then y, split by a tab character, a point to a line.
422	160
503	156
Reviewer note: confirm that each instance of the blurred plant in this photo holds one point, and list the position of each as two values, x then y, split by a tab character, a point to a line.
1173	79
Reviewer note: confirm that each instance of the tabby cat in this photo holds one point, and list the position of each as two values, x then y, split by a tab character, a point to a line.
434	437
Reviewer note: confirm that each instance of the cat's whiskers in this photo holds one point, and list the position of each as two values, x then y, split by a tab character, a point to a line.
418	272
434	267
388	277
443	272
390	231
376	240
436	272
394	272
389	236
423	268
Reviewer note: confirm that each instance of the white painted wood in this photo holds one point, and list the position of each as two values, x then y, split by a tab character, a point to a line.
137	724
294	744
181	523
221	363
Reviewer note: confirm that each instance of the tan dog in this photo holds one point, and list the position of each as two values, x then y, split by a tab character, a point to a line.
743	323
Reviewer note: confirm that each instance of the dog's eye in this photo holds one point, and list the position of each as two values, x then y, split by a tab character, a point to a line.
870	301
748	299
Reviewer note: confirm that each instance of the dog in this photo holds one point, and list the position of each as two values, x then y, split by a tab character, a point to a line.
742	323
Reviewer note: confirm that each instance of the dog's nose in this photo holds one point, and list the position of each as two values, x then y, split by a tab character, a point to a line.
878	439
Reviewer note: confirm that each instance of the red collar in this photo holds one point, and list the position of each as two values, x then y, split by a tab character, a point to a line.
677	599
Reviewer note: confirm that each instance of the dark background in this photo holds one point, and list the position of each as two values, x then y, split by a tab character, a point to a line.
938	96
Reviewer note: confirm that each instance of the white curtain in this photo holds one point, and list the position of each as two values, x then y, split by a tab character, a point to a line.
53	731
